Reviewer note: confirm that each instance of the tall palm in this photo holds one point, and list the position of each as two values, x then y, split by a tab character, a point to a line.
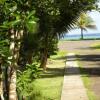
84	22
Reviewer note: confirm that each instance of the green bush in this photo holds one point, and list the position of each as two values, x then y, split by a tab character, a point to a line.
25	81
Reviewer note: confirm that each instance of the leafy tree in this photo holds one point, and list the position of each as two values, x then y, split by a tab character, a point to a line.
56	17
85	22
17	18
29	49
17	21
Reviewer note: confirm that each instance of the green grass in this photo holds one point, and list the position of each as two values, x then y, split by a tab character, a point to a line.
60	54
95	46
50	82
61	42
87	83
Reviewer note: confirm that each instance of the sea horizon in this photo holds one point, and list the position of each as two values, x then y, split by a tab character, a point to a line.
78	36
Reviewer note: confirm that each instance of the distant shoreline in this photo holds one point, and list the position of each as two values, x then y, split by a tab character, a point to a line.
78	36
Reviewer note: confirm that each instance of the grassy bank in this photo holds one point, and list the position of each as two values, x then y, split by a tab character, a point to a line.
87	82
95	46
49	85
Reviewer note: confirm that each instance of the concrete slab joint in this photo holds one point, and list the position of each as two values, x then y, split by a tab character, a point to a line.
73	87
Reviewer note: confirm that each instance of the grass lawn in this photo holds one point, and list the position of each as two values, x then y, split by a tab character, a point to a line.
49	85
95	46
87	83
86	78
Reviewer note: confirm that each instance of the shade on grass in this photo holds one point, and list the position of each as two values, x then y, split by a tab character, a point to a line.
50	82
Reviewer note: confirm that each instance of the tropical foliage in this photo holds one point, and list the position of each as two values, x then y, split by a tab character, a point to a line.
84	22
29	32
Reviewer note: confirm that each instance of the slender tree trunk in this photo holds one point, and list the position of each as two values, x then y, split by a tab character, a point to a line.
23	98
82	34
1	82
44	59
29	57
44	54
6	85
12	71
12	85
14	48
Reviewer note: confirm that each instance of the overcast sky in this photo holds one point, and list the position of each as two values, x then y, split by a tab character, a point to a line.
96	17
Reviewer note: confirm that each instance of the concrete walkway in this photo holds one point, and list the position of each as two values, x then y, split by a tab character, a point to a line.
73	88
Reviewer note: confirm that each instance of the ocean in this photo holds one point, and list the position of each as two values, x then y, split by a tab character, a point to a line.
78	36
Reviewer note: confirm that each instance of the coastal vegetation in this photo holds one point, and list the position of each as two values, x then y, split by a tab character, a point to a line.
84	22
29	33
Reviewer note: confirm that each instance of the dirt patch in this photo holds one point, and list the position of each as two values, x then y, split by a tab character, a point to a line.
89	58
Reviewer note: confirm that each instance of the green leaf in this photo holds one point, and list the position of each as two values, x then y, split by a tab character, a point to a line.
2	1
10	24
31	14
32	26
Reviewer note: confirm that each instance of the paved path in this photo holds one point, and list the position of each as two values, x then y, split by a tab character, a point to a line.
73	88
89	59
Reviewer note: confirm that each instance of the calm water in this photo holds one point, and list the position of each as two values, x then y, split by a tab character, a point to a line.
78	36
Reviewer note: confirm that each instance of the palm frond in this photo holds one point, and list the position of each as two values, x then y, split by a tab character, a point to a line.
85	21
92	27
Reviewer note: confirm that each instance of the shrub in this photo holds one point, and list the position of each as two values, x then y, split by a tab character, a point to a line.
25	80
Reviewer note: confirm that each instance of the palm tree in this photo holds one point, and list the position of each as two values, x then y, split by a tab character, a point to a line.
55	20
84	22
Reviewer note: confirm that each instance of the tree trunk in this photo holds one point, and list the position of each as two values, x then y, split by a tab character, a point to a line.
12	85
44	59
44	54
23	98
1	82
14	48
29	57
6	85
13	65
81	33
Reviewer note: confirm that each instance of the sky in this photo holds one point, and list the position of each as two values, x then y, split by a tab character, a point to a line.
96	17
